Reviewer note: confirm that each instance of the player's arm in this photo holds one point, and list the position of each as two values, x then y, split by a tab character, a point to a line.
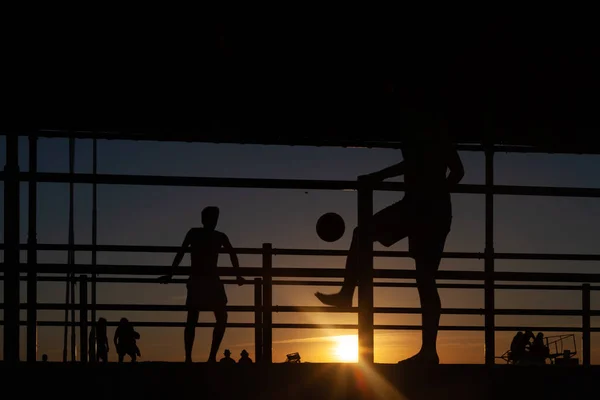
179	256
235	263
386	173
117	334
457	170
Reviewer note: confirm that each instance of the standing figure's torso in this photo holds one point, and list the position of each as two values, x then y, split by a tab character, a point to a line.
426	168
425	177
205	246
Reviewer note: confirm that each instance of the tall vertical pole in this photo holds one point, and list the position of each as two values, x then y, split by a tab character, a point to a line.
32	254
11	252
489	303
71	244
94	243
267	343
365	287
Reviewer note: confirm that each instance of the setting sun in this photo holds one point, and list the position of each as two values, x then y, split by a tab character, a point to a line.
346	349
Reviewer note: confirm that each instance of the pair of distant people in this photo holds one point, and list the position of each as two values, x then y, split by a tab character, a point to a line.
244	358
125	340
424	215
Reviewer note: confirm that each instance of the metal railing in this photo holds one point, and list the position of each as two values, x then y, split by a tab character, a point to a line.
267	276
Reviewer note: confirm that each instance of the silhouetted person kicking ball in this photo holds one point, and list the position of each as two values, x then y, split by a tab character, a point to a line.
205	289
227	359
424	215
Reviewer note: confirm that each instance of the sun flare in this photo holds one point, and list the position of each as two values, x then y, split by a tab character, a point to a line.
346	348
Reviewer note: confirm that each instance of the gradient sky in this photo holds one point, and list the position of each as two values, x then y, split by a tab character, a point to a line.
161	216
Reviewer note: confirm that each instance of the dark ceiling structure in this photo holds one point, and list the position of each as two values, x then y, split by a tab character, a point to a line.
338	83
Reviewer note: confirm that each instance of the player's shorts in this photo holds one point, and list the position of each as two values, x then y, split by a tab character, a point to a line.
425	225
206	294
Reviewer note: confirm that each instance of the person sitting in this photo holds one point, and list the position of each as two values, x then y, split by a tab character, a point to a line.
539	351
517	348
245	359
227	359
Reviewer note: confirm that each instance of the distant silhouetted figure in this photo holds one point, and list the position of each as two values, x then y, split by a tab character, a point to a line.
424	215
125	340
227	359
528	338
539	351
245	358
517	347
44	357
204	288
99	335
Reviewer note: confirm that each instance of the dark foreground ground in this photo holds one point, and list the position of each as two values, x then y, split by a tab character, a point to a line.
296	381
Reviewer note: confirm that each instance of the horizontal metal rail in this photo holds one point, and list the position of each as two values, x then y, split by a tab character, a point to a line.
467	328
186	137
310	309
315	273
300	184
63	279
307	252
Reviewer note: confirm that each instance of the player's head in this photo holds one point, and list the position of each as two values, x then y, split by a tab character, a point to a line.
210	217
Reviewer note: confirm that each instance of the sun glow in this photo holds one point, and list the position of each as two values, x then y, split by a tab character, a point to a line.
346	348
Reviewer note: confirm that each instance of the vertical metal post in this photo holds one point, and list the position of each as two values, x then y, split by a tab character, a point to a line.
489	301
365	286
83	319
32	254
258	330
11	252
267	343
66	331
94	243
73	282
586	324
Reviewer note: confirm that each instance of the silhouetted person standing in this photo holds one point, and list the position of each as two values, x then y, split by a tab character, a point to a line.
424	215
245	358
204	288
227	359
125	340
99	336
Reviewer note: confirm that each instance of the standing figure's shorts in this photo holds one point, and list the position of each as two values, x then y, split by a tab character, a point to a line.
206	293
425	225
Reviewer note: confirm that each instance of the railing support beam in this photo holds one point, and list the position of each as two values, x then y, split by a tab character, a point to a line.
83	318
258	320
11	252
586	324
32	256
267	334
489	301
365	286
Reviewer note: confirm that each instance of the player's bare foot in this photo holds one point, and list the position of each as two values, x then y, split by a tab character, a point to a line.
421	359
335	300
